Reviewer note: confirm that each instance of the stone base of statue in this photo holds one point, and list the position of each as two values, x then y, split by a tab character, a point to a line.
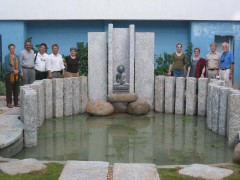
121	88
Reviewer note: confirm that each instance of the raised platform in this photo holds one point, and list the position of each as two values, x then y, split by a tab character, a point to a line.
11	135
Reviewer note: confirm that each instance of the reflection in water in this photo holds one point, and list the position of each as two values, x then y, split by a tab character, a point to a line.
155	138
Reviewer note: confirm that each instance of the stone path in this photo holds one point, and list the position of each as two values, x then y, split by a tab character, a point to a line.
205	172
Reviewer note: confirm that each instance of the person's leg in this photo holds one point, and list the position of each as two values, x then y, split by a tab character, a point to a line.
15	92
227	81
32	76
25	76
8	91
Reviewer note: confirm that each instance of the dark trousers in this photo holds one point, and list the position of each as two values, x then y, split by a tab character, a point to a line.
41	75
12	88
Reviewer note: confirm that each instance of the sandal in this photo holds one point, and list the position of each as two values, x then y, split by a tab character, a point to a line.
10	106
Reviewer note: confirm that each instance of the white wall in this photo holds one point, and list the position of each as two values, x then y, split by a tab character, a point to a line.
120	9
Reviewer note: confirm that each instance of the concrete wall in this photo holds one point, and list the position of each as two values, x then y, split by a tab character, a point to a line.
118	9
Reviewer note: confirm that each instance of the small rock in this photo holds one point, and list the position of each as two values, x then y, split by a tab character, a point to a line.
21	166
205	172
124	97
99	108
236	154
140	107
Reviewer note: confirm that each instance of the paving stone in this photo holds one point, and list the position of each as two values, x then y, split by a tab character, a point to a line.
21	166
159	93
135	171
205	171
79	170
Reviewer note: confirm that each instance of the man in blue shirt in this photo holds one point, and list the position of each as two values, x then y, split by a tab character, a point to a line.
226	65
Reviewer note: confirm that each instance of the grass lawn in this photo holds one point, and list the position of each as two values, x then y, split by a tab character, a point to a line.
52	172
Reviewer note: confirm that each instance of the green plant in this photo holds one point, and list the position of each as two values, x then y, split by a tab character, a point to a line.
162	64
82	51
188	53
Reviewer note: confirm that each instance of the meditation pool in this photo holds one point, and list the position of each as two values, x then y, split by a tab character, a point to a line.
154	138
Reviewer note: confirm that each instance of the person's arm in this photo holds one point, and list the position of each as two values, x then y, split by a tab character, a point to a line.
203	72
48	67
231	67
189	69
7	64
63	67
169	70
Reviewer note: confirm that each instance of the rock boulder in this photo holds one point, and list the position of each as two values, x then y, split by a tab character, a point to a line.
100	108
236	154
140	107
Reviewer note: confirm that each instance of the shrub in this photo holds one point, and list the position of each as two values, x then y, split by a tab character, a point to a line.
162	64
82	51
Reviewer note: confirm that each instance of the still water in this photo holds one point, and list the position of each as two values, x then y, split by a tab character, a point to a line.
155	138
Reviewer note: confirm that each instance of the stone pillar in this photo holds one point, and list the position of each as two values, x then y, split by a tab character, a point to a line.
110	58
209	106
76	95
67	97
83	93
191	96
159	93
131	57
22	88
97	66
48	96
169	94
223	107
215	107
234	120
39	87
30	117
57	97
202	96
144	67
180	95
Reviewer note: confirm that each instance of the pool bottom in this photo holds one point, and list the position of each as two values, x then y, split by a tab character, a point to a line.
162	139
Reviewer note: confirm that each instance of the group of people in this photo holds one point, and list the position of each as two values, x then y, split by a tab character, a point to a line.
215	65
30	66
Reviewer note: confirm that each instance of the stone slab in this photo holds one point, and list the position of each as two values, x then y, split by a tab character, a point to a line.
180	95
234	119
76	95
22	166
30	138
21	99
223	107
57	97
205	172
209	106
11	129
215	98
169	94
85	170
110	59
30	119
97	66
191	96
131	57
144	67
202	96
83	93
135	171
159	93
48	96
123	97
67	97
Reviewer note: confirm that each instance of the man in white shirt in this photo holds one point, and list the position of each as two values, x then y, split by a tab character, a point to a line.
40	62
55	65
